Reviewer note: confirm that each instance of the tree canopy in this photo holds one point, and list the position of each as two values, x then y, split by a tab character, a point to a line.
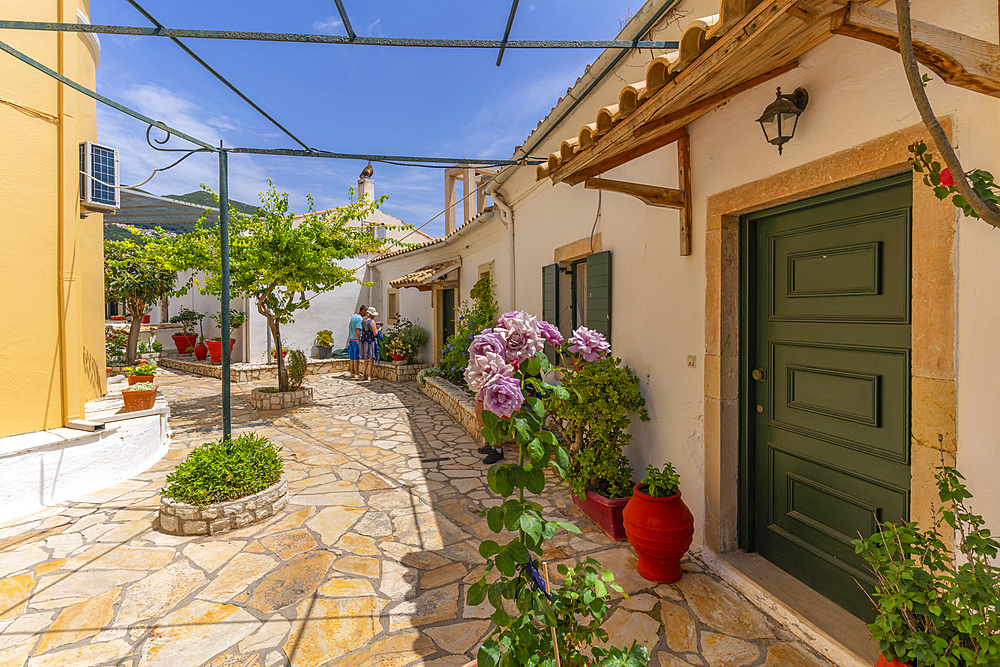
278	261
137	276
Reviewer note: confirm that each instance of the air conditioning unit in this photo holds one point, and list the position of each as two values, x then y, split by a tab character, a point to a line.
98	177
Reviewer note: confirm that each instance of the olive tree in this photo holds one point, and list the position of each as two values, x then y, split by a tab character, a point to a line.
279	262
137	276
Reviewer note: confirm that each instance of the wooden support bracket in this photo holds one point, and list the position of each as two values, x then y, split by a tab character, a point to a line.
653	195
960	60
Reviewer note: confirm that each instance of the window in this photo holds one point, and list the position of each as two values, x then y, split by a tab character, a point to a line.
99	176
485	270
392	306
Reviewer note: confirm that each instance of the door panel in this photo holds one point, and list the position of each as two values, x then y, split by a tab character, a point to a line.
829	413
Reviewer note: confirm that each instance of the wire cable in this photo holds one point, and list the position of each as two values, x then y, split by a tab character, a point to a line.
215	73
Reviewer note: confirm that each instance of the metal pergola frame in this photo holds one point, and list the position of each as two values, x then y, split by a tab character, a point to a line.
175	35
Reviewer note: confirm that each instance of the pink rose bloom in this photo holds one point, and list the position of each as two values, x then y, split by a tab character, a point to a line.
550	333
589	344
523	340
503	397
487	341
484	369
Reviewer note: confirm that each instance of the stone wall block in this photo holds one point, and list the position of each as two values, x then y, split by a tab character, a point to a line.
209	513
194	527
186	512
220	526
168	523
244	519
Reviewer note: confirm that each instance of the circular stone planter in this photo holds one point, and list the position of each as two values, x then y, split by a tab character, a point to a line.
279	400
183	519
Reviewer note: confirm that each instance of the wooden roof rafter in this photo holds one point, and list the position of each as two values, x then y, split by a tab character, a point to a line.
763	44
958	59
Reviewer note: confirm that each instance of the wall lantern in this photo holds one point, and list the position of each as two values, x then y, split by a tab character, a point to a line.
781	116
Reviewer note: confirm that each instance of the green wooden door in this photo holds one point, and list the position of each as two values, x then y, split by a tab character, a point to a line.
447	313
827	379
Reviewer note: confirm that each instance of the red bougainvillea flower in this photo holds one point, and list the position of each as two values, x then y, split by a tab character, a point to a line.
946	178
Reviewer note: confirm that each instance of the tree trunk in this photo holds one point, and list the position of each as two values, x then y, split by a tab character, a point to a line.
578	441
135	310
273	325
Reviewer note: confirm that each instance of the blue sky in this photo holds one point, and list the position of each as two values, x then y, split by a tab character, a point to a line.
352	99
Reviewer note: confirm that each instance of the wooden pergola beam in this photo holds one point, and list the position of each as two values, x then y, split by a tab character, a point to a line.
651	195
958	59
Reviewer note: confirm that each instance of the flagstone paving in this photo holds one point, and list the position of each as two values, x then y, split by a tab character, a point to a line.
368	565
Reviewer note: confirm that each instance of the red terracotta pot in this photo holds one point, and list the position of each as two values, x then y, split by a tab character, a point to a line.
108	369
397	357
215	349
882	662
136	400
117	318
660	530
200	351
145	319
605	512
185	342
135	379
232	342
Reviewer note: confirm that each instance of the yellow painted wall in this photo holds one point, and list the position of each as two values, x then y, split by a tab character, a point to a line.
51	260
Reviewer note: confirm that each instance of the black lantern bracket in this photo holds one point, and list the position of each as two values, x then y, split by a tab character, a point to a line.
778	113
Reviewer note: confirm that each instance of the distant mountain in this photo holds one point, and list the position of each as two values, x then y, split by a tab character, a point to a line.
203	198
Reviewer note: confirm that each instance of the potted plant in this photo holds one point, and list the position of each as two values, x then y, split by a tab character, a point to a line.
399	350
145	319
659	525
937	604
596	426
551	625
324	343
115	341
237	319
200	350
139	396
186	339
143	371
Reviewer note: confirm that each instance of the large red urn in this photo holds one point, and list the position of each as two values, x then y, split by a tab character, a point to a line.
660	530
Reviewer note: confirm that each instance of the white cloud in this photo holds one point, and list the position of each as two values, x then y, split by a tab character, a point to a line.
329	25
371	26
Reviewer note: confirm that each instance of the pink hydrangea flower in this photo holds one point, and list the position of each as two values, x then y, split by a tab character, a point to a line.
487	340
589	344
523	339
550	333
503	396
484	369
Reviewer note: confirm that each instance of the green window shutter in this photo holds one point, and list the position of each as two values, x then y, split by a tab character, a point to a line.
550	294
599	293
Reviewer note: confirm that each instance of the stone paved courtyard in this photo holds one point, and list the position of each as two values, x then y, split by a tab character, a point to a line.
367	566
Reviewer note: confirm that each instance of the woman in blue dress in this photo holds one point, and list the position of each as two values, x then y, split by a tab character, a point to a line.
370	336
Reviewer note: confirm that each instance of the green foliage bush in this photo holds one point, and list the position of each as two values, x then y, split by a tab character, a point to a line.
296	369
324	338
475	315
225	470
142	368
598	423
661	483
936	609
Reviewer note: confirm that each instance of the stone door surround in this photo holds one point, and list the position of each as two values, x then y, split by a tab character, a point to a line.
933	310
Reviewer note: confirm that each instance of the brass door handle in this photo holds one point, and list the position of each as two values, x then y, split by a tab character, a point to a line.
759	374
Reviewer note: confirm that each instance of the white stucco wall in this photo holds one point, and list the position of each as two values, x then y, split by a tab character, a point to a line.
857	93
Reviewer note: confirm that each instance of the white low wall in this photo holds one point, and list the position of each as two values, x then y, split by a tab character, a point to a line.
43	468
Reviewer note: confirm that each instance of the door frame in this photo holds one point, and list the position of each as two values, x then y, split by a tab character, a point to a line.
933	319
747	232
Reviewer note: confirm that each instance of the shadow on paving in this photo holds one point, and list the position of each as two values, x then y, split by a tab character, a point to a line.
367	566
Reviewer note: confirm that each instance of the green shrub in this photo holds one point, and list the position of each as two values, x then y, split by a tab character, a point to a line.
296	369
142	368
324	338
597	423
661	483
416	337
225	470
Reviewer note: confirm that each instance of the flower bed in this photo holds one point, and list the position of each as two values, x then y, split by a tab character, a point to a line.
182	519
261	399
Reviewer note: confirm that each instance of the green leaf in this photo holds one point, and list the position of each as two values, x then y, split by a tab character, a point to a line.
494	519
531	367
506	564
535	451
536	480
488	548
490	419
532	525
561	393
476	594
